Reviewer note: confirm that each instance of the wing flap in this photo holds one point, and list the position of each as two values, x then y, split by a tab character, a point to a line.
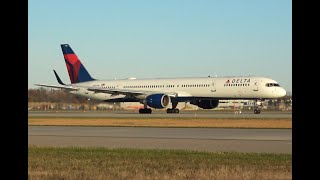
116	91
126	92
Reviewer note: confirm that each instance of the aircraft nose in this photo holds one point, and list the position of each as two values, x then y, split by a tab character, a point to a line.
282	92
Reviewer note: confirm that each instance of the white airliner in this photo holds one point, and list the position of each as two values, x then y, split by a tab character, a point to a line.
205	92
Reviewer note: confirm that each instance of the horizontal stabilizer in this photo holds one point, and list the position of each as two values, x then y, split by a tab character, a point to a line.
57	86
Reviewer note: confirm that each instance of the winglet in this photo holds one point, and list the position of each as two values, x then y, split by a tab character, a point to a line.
58	78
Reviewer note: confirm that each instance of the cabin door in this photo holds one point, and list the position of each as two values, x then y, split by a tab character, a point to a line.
213	86
256	86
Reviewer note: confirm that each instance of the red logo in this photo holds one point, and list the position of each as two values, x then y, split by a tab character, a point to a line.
228	81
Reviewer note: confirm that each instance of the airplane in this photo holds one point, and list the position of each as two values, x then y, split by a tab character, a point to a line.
159	93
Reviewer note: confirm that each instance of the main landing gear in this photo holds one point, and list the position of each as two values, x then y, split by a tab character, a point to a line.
259	105
174	109
145	110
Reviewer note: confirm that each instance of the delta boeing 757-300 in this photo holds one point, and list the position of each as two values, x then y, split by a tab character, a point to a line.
204	92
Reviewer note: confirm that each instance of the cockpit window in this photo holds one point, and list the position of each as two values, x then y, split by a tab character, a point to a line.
272	84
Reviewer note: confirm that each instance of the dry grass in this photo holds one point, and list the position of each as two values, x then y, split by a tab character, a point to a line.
102	163
164	122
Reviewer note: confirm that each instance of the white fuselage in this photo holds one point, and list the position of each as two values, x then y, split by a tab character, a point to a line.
245	87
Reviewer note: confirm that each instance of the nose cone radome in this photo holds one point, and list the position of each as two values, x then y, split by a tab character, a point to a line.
282	92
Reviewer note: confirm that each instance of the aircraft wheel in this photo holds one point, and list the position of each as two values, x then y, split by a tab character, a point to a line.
257	111
173	110
145	111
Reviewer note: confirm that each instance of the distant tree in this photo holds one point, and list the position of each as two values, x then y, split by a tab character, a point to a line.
55	95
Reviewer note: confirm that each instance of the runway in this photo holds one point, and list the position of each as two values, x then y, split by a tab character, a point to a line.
162	114
202	139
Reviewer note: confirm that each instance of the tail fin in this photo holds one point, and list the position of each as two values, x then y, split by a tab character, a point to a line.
77	72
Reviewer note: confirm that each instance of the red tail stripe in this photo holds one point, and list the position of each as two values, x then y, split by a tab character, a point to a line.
72	58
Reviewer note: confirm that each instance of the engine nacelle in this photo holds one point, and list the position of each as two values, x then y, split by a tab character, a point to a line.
158	101
206	104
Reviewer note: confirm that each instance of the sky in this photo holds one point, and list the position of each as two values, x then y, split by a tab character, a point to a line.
161	39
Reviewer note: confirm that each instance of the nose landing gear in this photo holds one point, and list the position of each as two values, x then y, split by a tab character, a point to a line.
257	110
259	105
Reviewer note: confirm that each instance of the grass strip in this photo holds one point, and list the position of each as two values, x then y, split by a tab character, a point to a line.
103	163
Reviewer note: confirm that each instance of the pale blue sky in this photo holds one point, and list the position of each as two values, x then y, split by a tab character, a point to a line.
161	38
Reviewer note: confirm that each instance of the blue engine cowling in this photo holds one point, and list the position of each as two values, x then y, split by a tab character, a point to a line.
158	101
206	104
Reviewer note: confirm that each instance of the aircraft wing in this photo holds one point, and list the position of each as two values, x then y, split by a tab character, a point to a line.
58	86
126	92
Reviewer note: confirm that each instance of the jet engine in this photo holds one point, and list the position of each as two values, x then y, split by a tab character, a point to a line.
158	101
206	104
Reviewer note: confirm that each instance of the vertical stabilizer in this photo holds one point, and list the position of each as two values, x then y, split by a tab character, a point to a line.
77	72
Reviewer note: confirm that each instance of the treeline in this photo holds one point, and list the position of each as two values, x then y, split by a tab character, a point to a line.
53	95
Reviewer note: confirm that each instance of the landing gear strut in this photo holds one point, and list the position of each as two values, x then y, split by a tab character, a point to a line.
259	105
145	110
257	110
174	109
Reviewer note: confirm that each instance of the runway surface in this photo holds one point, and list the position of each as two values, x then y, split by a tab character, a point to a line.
203	139
162	114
